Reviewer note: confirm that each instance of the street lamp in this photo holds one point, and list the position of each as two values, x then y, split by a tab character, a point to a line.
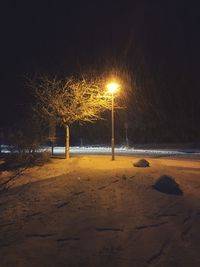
113	88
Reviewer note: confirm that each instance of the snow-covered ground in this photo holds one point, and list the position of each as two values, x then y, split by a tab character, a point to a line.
129	151
91	211
118	150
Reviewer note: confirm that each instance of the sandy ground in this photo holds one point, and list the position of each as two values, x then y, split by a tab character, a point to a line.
90	211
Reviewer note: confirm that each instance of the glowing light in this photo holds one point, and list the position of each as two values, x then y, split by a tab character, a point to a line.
113	87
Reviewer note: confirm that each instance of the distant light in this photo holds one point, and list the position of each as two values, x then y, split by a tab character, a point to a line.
112	87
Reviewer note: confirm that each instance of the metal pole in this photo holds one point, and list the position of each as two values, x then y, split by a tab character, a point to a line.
113	130
127	145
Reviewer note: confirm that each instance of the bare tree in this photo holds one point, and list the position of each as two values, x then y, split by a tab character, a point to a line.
70	100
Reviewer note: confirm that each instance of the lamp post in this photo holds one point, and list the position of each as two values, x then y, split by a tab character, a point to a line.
112	88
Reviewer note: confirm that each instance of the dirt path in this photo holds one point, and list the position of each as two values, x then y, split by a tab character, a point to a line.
94	212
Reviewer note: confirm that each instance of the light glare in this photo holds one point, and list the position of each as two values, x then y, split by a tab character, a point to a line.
112	87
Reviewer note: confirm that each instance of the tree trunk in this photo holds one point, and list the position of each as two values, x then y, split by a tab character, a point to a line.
67	143
52	147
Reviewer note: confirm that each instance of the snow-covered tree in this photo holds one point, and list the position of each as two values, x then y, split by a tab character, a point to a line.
70	100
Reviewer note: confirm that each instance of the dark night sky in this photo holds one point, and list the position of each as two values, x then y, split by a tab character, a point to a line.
66	37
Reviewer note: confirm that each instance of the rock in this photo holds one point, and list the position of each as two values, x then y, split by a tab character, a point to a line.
141	163
166	184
